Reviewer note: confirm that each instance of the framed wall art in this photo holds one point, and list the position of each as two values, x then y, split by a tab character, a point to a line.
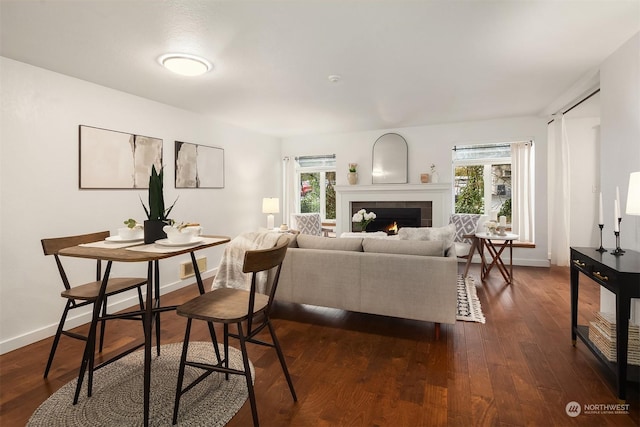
199	166
117	160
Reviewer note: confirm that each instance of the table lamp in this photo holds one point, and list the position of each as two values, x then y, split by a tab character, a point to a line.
270	205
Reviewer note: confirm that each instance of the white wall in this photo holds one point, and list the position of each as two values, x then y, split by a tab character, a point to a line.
620	148
41	111
433	144
584	145
620	153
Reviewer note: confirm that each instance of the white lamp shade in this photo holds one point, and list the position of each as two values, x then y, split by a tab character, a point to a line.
633	196
270	205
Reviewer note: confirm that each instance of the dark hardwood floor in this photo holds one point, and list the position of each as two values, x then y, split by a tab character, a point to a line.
350	369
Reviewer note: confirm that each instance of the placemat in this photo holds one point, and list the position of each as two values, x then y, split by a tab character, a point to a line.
160	249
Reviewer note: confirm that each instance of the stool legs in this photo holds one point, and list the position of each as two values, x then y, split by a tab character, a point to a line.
183	359
283	363
247	374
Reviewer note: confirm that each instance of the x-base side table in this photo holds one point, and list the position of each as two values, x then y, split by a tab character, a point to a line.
486	240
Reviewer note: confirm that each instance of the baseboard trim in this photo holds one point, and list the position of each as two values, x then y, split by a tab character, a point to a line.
84	318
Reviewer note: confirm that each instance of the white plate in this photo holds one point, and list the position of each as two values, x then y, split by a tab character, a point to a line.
166	242
118	239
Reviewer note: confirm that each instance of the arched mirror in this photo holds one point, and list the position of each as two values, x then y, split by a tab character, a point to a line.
390	157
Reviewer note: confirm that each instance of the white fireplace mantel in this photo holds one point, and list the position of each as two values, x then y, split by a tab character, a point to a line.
438	194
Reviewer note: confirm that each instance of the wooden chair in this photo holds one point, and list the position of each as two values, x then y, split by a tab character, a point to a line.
227	306
86	294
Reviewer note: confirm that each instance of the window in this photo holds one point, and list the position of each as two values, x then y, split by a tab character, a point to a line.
316	179
483	183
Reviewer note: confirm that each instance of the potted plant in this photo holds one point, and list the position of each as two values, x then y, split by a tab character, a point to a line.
352	176
363	218
156	213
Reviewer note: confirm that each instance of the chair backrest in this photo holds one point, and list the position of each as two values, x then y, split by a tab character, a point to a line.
54	245
262	260
307	223
466	224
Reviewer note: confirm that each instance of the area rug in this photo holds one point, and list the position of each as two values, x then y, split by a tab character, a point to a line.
117	398
469	309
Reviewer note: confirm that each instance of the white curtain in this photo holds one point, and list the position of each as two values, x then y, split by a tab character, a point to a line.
286	177
559	192
523	190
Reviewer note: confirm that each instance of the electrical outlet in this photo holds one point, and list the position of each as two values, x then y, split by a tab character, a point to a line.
186	268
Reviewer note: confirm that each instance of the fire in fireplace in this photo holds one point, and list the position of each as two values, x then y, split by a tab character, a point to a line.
392	229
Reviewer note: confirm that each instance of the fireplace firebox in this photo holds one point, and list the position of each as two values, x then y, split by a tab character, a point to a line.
391	216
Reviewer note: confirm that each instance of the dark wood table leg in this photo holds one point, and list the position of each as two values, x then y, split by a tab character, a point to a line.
148	320
623	311
483	260
511	261
574	303
156	299
497	259
474	245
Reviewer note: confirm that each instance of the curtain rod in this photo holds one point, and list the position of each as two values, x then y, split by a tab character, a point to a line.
578	103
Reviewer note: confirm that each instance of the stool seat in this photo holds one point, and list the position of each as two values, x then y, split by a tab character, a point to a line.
224	305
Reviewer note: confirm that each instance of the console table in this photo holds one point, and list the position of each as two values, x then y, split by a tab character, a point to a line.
620	275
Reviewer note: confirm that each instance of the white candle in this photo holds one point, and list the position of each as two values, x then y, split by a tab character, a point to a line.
600	214
617	202
503	220
616	227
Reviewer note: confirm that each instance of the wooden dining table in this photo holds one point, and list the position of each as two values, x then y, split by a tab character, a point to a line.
112	251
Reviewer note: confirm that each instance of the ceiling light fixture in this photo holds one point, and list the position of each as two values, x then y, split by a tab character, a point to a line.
184	64
334	78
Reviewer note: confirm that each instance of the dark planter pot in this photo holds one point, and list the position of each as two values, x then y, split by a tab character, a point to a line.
153	230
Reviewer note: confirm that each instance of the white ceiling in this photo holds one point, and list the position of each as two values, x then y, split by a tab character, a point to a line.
403	63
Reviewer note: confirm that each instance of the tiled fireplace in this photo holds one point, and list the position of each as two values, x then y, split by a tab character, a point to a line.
433	200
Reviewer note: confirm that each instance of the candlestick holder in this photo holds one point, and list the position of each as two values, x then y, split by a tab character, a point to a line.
601	249
620	228
617	251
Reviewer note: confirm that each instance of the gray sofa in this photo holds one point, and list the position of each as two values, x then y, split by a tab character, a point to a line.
412	279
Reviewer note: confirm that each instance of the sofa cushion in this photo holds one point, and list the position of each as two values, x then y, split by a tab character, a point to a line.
445	234
306	241
404	247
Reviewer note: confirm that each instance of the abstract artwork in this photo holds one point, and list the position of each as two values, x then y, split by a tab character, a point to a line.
114	160
199	166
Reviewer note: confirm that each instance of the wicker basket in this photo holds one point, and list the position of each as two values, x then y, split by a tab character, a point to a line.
602	332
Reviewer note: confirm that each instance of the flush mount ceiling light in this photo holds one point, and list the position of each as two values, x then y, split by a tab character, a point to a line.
185	65
334	78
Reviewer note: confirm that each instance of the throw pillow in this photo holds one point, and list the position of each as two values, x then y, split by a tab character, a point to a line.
308	224
306	241
445	234
404	247
465	224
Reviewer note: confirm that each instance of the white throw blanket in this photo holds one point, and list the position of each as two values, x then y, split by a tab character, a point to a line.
230	273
